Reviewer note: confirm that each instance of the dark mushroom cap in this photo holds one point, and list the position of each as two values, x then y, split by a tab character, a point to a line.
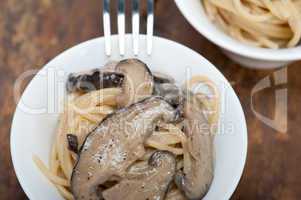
93	80
138	83
160	78
149	180
196	180
115	144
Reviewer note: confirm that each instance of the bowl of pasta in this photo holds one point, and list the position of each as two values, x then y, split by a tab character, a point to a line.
90	126
255	33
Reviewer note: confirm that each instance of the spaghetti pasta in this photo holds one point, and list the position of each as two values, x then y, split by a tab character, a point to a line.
263	23
82	113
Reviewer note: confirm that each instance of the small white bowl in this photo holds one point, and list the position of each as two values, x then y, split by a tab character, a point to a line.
33	129
246	55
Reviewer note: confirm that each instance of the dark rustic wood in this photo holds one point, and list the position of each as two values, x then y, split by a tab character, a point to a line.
32	32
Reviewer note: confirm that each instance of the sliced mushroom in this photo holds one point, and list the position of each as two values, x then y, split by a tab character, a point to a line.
138	83
162	78
173	95
175	194
72	143
93	80
196	178
170	92
115	144
149	181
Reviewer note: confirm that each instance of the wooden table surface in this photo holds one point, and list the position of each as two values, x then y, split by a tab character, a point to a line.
32	32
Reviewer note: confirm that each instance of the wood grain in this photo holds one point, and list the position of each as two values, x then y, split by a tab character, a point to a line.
32	32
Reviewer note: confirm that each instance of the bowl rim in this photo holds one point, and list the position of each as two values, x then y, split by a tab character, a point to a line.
20	174
232	45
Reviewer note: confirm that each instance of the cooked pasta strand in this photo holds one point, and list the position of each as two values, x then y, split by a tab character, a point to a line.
158	145
65	193
271	24
52	177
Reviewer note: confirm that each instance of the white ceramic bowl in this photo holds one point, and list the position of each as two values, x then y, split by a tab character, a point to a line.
246	55
32	133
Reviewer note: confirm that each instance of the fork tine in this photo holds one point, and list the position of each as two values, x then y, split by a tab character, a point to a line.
107	26
121	25
135	26
150	26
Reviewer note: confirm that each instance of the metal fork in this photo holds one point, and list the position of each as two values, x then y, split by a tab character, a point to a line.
121	26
